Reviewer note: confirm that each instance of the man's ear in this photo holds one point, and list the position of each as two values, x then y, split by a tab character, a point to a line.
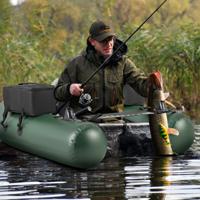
92	41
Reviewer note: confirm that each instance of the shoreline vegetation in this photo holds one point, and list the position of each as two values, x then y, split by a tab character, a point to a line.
39	38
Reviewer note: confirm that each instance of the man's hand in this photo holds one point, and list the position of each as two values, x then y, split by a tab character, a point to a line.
75	89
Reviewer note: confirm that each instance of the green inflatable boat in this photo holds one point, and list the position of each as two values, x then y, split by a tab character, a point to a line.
81	143
74	143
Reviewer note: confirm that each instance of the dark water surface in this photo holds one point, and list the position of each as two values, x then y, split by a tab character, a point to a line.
24	176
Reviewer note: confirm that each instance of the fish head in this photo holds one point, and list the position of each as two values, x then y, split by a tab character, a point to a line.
155	80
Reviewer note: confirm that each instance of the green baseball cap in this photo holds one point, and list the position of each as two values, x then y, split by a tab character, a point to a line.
100	31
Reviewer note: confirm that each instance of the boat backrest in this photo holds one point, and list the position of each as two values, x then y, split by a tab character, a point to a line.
132	97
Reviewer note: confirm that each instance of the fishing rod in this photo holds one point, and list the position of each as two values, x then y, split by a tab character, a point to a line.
115	52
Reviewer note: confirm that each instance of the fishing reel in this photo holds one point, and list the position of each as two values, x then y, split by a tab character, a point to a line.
85	99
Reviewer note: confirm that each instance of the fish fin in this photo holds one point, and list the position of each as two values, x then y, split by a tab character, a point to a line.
156	79
173	131
166	94
170	104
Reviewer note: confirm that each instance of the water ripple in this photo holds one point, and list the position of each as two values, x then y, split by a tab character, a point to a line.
24	176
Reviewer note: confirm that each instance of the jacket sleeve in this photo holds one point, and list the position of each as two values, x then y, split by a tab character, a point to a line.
135	78
67	77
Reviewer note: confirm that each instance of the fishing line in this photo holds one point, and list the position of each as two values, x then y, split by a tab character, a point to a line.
115	52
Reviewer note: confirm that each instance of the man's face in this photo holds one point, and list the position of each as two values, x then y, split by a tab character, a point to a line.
105	47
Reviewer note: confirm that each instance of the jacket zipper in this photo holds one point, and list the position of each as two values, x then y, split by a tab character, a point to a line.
104	89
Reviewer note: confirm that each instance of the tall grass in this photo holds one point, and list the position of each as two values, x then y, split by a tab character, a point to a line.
175	52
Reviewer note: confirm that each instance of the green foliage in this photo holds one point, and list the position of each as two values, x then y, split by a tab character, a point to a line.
176	55
39	37
5	13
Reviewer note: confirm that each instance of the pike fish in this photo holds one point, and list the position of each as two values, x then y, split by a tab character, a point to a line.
158	121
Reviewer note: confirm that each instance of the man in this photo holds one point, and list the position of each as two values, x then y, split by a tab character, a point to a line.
106	87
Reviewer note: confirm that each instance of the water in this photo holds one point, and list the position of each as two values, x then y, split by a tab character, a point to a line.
24	176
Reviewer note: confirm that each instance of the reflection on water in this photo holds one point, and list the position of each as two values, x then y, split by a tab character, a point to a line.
24	176
165	178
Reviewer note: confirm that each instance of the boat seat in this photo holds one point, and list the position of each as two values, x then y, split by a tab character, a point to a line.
132	97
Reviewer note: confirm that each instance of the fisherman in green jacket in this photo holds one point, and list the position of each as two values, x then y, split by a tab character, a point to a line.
106	87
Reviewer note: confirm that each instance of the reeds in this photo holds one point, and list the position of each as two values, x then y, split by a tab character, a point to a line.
175	52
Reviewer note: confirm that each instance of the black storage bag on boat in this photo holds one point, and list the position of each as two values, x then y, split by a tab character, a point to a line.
29	99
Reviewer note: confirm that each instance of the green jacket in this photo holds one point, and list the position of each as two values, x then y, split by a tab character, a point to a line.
106	87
